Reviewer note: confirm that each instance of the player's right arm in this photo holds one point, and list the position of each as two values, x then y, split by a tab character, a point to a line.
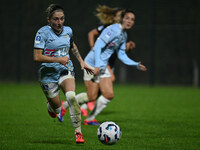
38	56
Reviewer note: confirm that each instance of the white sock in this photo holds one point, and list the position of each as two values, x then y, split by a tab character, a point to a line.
99	106
82	98
65	104
74	109
50	108
78	129
84	106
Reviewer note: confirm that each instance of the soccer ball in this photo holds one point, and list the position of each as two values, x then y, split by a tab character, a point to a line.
109	133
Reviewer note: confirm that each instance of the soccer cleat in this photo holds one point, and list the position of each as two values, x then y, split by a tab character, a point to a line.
63	111
79	137
92	122
53	115
84	112
91	105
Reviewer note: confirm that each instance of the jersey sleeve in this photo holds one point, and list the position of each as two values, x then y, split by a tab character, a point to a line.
108	34
70	32
40	39
123	46
121	54
100	28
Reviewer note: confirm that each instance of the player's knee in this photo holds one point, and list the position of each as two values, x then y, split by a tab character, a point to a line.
92	97
51	94
109	95
70	96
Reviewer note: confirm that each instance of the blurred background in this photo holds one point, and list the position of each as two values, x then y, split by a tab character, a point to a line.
166	33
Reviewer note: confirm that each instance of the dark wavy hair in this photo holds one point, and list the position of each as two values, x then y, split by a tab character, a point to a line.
125	12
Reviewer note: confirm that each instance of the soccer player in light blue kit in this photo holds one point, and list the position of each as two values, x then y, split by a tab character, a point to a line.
113	38
51	47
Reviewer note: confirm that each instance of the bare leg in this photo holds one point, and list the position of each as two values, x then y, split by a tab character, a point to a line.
107	94
92	90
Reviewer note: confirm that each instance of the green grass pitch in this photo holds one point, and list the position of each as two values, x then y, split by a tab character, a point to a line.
151	118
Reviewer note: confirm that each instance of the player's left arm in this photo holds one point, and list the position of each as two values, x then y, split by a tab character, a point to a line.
78	56
121	53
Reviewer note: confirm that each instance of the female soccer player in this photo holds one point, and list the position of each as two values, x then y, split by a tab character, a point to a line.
51	47
107	16
113	38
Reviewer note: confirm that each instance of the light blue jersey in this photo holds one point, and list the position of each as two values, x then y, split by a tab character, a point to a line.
113	38
54	46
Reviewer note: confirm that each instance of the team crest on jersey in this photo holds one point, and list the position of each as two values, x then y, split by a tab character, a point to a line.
38	39
66	36
108	34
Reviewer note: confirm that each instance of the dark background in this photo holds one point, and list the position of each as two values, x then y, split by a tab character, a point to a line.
166	33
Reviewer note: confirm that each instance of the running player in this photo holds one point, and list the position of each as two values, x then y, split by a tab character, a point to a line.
113	38
51	47
107	16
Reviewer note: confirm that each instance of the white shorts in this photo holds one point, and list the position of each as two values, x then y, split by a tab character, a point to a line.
103	74
51	90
